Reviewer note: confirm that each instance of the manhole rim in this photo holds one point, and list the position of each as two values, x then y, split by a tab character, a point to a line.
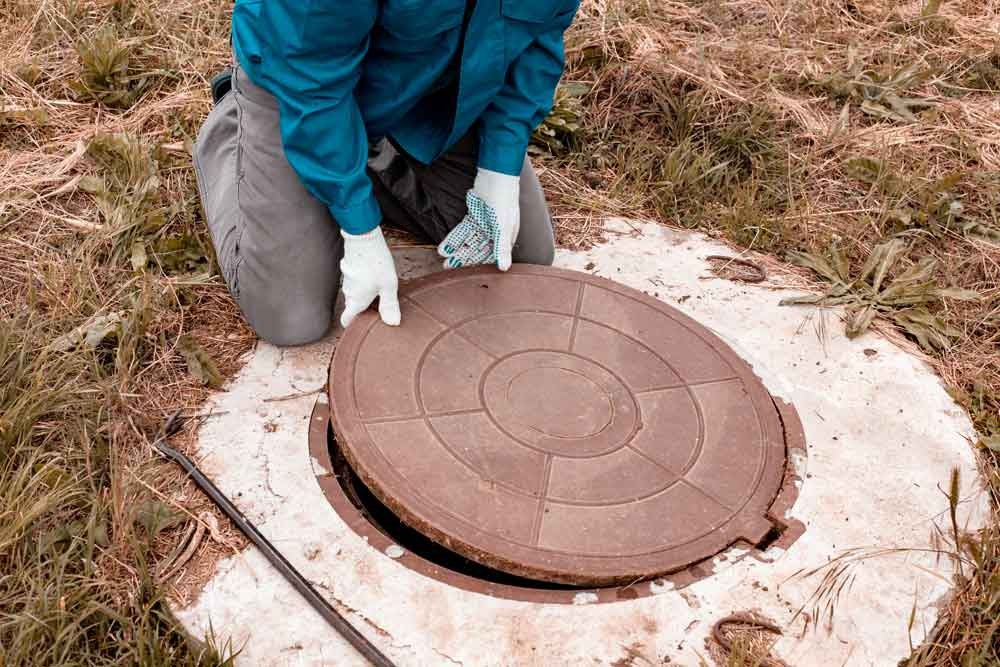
320	423
751	516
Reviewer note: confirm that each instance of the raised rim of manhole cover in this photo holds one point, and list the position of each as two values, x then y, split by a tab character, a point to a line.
560	427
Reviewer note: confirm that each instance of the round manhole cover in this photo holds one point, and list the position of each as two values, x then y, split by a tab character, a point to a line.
558	426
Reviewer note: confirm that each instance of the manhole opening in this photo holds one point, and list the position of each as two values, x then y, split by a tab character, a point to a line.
383	519
776	533
383	530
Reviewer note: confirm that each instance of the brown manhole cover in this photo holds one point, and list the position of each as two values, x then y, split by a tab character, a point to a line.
560	427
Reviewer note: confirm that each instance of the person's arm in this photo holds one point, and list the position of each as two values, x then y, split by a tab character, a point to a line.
490	229
311	62
312	58
526	98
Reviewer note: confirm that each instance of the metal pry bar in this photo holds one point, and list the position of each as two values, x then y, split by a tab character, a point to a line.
287	570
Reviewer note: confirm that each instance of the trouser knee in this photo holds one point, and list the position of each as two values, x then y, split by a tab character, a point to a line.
288	325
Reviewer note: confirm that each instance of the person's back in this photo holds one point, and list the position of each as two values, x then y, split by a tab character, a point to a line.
389	109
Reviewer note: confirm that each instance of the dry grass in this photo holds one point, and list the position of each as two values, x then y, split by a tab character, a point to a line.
795	127
748	119
98	101
785	126
744	640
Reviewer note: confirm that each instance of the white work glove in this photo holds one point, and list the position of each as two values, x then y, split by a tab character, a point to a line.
489	230
369	272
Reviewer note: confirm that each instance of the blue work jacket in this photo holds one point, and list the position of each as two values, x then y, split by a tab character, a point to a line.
348	71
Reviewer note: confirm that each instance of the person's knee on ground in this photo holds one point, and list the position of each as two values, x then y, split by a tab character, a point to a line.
284	322
288	302
277	246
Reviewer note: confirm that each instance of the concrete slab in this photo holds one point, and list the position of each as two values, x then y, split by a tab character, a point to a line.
883	437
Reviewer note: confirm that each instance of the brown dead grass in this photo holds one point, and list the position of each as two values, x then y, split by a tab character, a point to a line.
734	117
661	83
744	640
63	265
774	58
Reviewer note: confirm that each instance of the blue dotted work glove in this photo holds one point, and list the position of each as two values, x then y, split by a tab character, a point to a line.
490	228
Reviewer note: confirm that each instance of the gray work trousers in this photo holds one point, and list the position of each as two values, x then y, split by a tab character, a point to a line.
279	249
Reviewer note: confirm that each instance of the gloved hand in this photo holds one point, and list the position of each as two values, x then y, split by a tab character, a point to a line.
369	272
489	230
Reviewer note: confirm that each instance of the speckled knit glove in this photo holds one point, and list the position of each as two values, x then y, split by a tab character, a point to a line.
471	242
489	230
369	272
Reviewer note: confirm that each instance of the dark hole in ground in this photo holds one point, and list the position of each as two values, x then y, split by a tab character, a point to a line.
392	527
772	536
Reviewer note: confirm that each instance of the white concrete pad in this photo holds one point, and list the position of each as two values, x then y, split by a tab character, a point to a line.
882	435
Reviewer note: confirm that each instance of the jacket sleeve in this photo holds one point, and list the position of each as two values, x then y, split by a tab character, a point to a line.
311	61
525	99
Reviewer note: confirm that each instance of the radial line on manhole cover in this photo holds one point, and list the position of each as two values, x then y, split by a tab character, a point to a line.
558	426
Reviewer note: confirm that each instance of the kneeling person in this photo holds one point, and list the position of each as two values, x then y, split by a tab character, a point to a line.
344	115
